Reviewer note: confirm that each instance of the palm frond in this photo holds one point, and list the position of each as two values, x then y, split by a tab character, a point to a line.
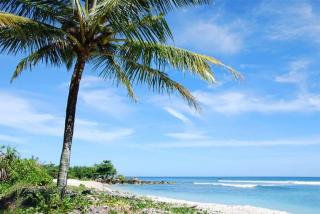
9	19
164	6
159	6
112	70
39	10
157	81
54	54
18	34
150	28
163	55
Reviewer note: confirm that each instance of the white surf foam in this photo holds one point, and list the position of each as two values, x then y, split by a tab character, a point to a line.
313	183
228	185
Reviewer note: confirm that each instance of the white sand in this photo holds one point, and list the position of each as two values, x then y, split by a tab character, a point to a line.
210	207
89	184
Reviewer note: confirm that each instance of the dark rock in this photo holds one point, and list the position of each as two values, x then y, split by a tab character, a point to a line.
87	192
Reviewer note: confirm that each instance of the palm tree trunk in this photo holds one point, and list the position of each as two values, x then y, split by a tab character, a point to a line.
69	125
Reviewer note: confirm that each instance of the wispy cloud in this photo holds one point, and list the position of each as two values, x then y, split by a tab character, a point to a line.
235	143
180	116
296	20
107	101
96	95
22	114
241	102
297	72
94	133
19	113
187	135
10	139
212	37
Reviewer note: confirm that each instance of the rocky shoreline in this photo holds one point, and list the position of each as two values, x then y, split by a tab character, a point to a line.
133	180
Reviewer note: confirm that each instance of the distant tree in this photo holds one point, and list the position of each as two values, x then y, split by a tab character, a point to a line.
82	172
52	169
121	178
105	170
126	41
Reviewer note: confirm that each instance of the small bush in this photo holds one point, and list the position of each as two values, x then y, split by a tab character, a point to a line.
51	169
104	170
82	172
30	172
18	170
30	199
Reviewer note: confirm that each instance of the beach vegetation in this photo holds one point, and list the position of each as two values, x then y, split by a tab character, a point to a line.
28	188
20	170
104	170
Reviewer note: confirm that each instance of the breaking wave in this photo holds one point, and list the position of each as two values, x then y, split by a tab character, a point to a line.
257	183
274	183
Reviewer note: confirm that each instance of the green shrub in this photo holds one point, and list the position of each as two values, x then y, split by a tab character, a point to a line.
104	170
18	170
82	172
30	172
51	169
30	199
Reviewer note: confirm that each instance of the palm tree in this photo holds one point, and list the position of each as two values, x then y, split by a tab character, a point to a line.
126	41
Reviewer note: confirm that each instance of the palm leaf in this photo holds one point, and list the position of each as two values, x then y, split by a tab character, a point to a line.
163	55
39	10
157	81
112	70
18	34
54	54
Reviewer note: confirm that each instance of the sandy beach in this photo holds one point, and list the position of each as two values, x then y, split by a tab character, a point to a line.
210	207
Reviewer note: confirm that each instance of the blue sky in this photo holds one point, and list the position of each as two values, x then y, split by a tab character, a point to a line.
265	125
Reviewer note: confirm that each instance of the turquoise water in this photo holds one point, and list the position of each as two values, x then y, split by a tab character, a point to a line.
292	194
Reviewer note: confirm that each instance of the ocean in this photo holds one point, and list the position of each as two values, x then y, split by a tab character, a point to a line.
297	195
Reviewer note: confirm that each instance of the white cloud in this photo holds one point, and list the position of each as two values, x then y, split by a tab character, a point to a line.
178	115
239	102
107	101
91	82
190	135
297	72
95	94
21	114
295	20
10	139
212	37
236	143
94	133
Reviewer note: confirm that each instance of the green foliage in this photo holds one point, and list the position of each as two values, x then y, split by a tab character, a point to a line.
46	200
103	170
51	169
82	172
20	170
119	204
26	199
29	171
121	178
